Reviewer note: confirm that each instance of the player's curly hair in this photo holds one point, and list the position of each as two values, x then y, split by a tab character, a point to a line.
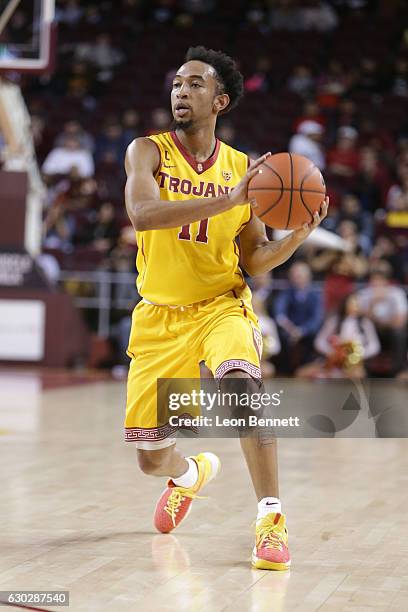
229	78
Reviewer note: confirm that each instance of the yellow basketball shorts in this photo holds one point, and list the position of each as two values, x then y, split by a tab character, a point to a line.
170	342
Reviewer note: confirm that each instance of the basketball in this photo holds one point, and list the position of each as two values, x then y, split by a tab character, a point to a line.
288	191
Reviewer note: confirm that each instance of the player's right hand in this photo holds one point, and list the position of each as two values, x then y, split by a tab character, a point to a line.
239	195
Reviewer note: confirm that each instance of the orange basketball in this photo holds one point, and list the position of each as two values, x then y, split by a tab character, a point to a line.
288	191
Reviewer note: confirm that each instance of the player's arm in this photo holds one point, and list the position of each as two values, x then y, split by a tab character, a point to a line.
260	255
144	207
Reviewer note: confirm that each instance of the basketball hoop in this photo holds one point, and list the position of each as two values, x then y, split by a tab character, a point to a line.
36	53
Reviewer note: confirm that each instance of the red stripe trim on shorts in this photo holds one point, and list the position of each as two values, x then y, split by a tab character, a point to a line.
155	434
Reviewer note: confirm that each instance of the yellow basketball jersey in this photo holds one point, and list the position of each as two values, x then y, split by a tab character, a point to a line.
188	264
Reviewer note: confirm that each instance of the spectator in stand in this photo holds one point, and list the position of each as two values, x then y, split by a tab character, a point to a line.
346	340
163	11
82	195
160	121
93	14
111	141
310	112
387	306
255	14
371	180
59	228
110	177
74	129
385	249
346	113
397	197
61	160
79	79
358	243
103	234
340	270
331	85
286	15
301	81
130	125
318	15
344	159
307	142
298	312
351	210
399	80
102	54
261	79
70	13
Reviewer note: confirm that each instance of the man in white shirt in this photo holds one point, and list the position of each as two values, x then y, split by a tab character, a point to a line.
387	306
307	142
63	159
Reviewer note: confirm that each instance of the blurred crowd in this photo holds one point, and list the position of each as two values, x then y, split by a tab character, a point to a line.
329	311
363	333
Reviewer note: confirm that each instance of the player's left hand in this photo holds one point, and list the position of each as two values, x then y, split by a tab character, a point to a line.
307	228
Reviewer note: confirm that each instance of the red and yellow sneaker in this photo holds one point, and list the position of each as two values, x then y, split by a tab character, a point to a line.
271	544
175	502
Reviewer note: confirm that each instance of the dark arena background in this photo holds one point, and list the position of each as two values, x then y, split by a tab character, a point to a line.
79	81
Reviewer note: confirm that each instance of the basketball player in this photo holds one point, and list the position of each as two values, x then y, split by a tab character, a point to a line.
186	196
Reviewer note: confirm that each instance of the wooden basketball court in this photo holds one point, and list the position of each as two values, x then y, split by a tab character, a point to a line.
76	514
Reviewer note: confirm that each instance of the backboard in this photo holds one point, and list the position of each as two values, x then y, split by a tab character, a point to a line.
27	35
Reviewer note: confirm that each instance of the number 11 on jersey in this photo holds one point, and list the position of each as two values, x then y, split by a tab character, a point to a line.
202	236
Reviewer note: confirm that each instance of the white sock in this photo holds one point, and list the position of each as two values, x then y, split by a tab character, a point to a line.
189	478
267	505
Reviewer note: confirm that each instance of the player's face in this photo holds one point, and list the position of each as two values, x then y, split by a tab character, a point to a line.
194	93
